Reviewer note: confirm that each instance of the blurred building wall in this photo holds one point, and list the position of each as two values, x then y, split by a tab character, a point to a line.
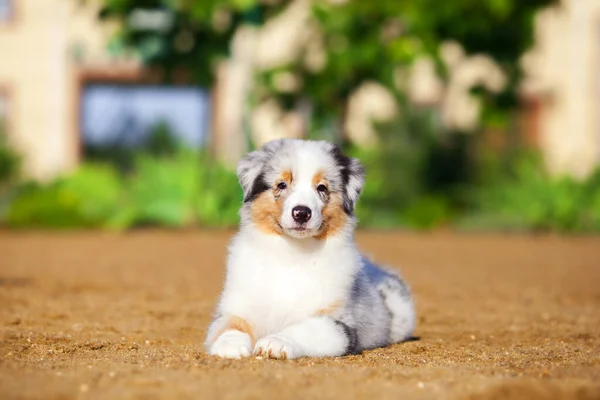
563	78
44	46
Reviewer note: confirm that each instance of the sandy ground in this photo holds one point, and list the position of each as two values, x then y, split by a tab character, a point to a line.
95	315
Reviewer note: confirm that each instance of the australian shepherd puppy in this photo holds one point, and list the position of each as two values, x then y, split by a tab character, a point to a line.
296	284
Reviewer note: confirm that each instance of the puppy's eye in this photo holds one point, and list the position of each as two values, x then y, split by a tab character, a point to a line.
282	186
322	188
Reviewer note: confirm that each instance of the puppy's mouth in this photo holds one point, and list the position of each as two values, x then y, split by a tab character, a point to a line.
298	230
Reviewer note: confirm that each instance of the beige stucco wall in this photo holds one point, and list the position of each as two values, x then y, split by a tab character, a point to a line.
39	69
564	71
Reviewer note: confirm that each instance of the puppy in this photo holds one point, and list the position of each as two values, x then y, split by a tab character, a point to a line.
296	285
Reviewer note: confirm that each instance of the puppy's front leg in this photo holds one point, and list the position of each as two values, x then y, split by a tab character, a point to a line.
229	337
320	336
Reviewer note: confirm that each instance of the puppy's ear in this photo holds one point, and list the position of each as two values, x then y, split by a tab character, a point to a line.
353	178
250	170
250	175
356	180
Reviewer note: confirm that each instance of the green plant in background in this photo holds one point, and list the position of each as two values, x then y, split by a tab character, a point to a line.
530	199
87	198
189	189
160	191
176	36
415	173
219	199
591	216
122	151
373	41
182	189
9	162
153	181
161	142
395	171
361	40
417	177
421	175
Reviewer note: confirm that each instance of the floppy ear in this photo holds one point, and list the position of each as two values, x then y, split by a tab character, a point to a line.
353	178
356	180
250	170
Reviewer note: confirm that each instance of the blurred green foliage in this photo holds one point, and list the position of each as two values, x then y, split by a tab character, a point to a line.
528	198
9	162
85	199
363	40
189	189
10	165
193	35
160	192
183	189
417	177
369	40
420	176
400	189
159	142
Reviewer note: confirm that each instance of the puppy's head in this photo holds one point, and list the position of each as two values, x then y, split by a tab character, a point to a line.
300	188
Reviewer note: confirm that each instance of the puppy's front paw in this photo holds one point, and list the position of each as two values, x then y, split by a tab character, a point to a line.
232	344
277	347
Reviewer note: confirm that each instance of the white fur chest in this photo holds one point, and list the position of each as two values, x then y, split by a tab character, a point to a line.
273	282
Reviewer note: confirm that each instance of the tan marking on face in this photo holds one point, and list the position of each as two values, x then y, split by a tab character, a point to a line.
286	176
329	310
238	324
319	177
334	217
265	211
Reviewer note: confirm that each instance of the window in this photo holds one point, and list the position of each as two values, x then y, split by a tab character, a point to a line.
115	118
6	11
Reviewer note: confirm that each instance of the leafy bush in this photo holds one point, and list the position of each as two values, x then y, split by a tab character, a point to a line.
85	199
188	188
530	199
160	191
404	185
219	197
175	191
123	150
9	162
9	171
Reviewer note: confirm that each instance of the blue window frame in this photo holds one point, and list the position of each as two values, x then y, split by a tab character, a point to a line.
127	114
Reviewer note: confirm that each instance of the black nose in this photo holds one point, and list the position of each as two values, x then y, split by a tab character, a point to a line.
301	214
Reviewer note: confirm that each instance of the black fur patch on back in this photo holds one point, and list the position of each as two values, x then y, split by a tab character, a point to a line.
343	162
258	187
351	335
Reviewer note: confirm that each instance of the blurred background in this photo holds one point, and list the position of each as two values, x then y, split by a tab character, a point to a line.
468	114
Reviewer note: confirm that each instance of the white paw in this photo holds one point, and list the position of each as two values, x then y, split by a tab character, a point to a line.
277	347
232	344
